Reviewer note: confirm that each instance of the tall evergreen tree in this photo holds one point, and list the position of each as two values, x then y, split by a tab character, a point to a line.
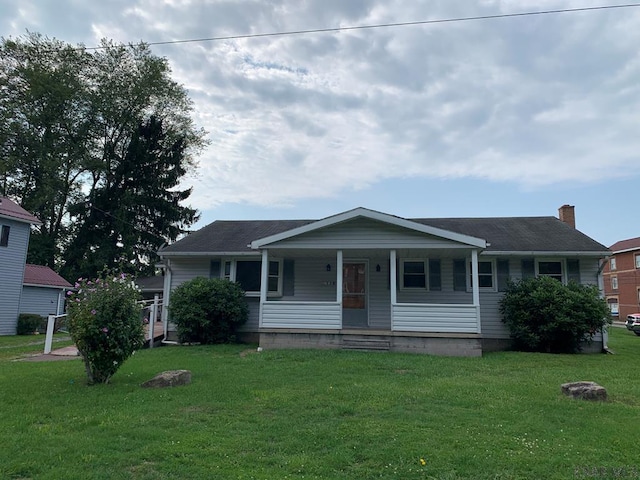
76	128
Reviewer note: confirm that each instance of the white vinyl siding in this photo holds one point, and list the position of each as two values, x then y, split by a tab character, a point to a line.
312	315
40	300
435	318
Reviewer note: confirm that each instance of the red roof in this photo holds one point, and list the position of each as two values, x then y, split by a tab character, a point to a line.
10	209
629	244
43	276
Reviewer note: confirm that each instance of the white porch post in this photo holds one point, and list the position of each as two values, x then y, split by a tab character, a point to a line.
476	285
392	282
339	262
264	282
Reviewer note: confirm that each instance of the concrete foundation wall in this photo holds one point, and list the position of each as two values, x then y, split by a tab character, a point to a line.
461	346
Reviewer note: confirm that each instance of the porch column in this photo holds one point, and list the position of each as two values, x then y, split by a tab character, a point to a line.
392	282
264	282
476	285
339	276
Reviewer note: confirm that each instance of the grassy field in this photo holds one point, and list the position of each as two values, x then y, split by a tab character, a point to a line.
322	414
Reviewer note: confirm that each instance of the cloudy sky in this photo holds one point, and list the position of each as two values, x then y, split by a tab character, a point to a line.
497	117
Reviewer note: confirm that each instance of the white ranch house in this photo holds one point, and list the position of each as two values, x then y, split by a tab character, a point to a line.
365	279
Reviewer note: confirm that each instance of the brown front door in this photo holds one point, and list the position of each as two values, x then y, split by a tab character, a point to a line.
354	294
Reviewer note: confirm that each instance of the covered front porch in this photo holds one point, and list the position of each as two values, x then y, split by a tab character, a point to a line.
363	293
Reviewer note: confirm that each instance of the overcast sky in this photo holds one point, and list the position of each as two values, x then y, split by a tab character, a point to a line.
500	117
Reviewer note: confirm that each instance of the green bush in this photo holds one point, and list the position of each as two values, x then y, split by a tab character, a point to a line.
29	323
208	310
105	323
543	315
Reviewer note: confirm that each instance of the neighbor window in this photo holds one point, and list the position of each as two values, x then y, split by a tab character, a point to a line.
637	261
4	236
248	273
614	307
614	283
612	263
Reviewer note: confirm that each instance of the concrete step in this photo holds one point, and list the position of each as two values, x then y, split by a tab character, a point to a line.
365	344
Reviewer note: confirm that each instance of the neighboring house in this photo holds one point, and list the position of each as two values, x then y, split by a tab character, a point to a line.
15	226
365	279
150	286
43	291
622	278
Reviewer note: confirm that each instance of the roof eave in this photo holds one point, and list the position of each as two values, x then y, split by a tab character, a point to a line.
206	254
548	253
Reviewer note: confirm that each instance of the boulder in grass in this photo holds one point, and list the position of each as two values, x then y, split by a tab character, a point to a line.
170	378
585	391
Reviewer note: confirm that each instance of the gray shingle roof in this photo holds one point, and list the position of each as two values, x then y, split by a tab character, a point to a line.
504	234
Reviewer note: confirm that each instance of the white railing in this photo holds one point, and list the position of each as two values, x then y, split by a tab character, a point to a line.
151	310
435	318
312	315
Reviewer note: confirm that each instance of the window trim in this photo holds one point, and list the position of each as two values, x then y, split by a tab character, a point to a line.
425	264
232	275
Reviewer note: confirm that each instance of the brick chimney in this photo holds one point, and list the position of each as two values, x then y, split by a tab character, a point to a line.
567	214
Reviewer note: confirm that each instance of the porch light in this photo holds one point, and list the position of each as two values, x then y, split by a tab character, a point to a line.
328	267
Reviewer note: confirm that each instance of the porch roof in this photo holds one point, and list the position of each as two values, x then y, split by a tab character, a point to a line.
503	235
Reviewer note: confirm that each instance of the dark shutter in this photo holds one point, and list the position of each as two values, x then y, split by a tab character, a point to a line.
459	275
214	269
503	274
573	270
435	275
528	268
288	280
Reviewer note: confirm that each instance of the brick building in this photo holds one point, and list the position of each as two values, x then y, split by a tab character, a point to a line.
621	277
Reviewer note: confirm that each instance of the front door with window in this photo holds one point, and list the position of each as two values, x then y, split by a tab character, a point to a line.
354	295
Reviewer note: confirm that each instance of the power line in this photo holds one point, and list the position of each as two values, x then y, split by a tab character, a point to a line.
386	25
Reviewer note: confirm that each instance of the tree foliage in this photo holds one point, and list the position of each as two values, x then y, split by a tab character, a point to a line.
208	310
543	315
95	144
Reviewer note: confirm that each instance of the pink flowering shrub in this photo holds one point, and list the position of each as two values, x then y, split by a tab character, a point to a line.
105	323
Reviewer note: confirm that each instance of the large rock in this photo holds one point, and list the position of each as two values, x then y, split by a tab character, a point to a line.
585	391
170	378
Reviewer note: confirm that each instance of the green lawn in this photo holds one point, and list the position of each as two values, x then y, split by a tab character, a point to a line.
323	414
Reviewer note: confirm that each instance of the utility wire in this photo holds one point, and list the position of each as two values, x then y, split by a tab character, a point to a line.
386	25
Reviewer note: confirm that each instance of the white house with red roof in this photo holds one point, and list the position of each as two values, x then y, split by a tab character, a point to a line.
23	288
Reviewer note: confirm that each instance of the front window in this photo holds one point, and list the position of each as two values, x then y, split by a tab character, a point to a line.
248	274
548	268
485	275
414	274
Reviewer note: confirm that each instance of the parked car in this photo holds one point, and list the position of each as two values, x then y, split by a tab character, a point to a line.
633	323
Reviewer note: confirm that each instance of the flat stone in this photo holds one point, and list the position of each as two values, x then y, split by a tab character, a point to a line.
585	391
170	378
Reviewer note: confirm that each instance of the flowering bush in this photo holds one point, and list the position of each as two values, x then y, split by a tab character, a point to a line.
105	323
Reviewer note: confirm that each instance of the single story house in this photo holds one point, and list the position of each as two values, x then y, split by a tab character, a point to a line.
43	291
366	279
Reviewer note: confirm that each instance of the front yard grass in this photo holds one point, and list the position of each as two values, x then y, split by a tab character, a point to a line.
324	415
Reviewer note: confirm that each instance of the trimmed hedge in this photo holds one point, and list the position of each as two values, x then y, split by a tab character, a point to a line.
29	323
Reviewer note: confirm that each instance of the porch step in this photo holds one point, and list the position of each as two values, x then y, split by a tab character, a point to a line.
365	344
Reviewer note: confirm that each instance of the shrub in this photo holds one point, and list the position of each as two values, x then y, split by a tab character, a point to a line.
544	315
105	324
208	310
29	323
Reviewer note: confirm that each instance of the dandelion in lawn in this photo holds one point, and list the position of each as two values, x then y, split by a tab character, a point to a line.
423	462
